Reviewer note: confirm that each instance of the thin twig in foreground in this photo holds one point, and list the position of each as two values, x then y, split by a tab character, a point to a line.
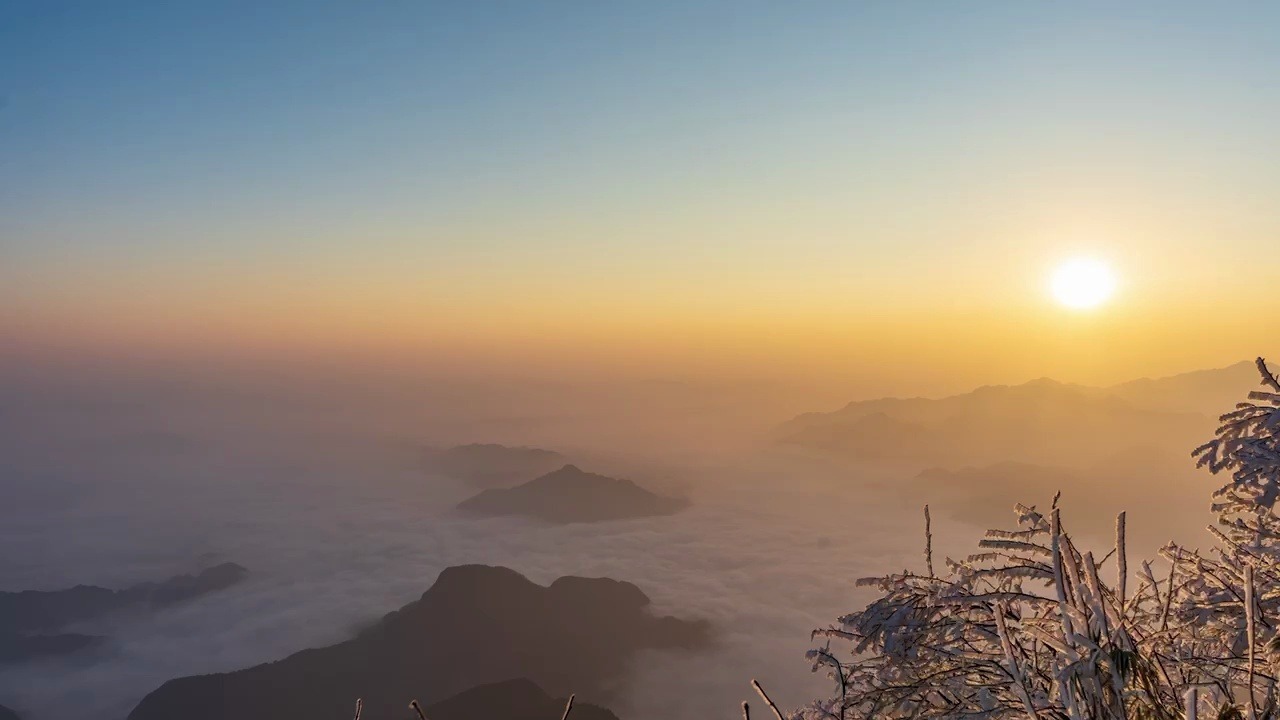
767	700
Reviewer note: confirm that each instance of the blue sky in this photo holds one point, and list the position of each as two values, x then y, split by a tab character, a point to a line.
713	150
199	108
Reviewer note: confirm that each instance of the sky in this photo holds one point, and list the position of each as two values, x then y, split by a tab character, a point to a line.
874	190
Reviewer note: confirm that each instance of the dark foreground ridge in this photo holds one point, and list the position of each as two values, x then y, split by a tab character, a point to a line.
519	699
570	495
477	624
30	620
7	714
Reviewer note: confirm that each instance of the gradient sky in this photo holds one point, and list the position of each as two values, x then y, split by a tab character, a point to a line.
866	189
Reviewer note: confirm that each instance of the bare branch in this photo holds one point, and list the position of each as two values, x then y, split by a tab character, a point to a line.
765	696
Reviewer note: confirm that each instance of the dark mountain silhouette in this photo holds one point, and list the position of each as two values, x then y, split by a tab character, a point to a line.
477	624
30	619
490	465
7	714
16	648
35	611
519	699
571	495
1042	421
40	611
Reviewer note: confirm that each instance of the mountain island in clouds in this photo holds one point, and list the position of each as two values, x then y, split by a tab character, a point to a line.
570	495
360	294
475	626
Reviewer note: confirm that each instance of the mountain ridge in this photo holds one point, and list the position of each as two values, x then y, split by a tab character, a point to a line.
31	620
476	624
571	495
1041	420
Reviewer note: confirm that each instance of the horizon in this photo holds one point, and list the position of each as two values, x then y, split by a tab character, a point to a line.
460	186
43	365
335	337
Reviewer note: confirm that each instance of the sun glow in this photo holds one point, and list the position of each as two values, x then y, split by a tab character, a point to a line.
1083	283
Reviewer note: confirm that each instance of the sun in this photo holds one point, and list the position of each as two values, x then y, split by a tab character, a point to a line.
1083	283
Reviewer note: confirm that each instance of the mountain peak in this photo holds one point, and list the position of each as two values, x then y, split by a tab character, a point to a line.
575	635
571	494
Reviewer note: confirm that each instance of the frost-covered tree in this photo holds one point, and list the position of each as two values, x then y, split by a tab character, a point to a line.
1034	626
1248	445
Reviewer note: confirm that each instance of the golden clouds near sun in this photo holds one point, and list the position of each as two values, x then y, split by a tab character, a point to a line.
1083	283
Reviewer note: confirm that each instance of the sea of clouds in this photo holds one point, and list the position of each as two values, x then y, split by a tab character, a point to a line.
338	528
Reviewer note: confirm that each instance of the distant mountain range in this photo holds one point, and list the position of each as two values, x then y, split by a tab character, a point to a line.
491	465
30	619
571	495
476	625
43	610
1208	392
1042	421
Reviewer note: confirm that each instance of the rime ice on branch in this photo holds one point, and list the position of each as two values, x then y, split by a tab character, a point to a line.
1028	628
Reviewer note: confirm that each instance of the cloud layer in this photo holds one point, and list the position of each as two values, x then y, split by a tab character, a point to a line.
334	539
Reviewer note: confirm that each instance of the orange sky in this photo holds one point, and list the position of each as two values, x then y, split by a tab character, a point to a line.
843	196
